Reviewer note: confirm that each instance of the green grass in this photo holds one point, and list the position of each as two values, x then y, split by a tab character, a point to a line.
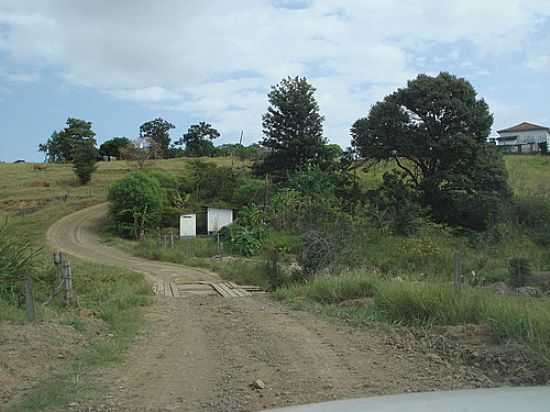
200	252
528	174
115	295
518	319
33	199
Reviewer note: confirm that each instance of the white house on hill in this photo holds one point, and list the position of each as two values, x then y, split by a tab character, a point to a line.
523	138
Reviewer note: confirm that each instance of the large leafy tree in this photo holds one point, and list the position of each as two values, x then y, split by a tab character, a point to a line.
61	145
198	140
293	128
157	134
435	131
112	146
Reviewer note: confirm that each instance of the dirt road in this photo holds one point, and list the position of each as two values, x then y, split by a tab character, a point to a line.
202	353
77	235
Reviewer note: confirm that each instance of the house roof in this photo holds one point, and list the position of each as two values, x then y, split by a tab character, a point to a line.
523	127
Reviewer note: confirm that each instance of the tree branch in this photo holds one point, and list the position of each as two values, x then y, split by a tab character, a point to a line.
407	170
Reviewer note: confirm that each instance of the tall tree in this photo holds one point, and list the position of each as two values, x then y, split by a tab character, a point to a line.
198	140
435	131
61	145
293	128
157	134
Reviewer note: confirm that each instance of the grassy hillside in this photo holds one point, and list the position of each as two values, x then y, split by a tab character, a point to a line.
33	199
108	315
529	174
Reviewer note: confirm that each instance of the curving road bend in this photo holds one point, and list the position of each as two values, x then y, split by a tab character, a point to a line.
77	234
202	353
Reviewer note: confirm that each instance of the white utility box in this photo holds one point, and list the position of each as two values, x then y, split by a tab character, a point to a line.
188	225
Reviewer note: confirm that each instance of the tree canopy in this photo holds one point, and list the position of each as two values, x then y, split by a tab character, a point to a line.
293	128
435	130
112	146
198	140
157	134
61	145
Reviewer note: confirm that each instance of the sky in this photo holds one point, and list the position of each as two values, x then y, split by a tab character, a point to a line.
121	63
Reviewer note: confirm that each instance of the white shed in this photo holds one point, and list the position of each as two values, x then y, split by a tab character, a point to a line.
188	225
218	218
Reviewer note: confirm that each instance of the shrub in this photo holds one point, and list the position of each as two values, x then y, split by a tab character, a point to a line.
531	214
395	204
137	202
275	273
245	240
84	161
520	271
316	253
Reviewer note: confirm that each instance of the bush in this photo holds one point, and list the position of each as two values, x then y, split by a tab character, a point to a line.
520	271
316	253
275	273
531	214
246	241
84	161
396	205
137	202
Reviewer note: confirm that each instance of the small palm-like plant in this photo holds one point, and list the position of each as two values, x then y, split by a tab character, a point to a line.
16	261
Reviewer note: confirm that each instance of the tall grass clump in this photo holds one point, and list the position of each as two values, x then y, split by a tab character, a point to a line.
415	303
17	259
420	303
336	289
109	291
183	251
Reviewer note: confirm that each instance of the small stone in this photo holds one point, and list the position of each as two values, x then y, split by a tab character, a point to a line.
74	405
258	384
435	358
60	356
529	291
23	387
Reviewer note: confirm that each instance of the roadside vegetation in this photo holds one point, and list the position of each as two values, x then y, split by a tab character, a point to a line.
106	314
416	198
379	232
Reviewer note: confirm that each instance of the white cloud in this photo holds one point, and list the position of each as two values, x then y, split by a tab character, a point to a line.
539	63
217	59
152	94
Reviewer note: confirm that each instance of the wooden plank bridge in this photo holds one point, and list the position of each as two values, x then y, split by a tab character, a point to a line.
226	289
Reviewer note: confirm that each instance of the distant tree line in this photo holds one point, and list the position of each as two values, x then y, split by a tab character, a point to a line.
154	140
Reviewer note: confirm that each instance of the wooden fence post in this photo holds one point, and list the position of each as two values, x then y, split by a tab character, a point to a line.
457	274
29	299
67	283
